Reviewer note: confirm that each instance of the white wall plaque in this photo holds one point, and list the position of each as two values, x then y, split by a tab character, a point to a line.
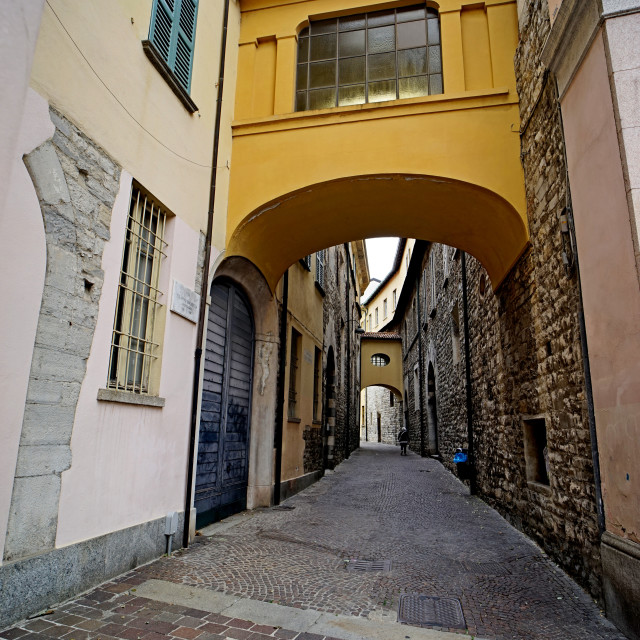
184	302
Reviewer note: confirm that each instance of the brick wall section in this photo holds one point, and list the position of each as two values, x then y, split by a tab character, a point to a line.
378	402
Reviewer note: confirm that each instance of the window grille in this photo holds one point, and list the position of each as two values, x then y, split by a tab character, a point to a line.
380	360
133	347
320	268
173	32
369	57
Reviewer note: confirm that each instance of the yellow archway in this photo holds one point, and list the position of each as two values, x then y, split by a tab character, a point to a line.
444	210
376	349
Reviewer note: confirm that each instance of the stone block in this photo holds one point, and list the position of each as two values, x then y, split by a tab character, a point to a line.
50	364
46	424
40	460
32	517
47	174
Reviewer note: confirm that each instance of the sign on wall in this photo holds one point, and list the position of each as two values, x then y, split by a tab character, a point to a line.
184	302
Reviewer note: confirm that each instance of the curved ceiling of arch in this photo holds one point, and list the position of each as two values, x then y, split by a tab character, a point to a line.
444	210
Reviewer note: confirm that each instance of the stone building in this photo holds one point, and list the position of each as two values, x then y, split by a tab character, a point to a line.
180	158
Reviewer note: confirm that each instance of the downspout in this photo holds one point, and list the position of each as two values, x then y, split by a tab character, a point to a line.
205	285
467	368
420	370
282	364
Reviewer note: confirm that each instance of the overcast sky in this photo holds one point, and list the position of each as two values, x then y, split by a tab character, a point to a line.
380	253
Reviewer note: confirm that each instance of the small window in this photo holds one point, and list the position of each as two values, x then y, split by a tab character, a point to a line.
377	319
391	399
134	345
380	360
384	309
370	323
395	299
536	454
173	32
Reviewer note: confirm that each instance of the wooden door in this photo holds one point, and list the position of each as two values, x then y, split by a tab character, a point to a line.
223	446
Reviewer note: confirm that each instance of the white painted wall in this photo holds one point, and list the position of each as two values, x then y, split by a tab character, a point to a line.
129	462
23	256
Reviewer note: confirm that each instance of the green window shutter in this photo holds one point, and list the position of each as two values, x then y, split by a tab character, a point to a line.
173	32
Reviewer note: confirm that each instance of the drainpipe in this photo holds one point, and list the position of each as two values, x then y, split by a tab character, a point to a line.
420	370
204	290
467	367
277	432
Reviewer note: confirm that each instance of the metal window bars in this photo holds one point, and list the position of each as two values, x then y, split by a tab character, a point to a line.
133	348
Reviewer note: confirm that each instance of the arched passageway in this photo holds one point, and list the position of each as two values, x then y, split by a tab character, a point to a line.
460	214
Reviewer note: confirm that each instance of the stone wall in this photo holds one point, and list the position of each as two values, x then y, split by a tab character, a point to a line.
527	378
76	183
378	401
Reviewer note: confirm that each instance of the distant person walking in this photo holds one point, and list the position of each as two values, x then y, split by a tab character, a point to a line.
403	441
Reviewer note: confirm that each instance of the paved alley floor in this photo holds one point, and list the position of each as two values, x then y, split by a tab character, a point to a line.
296	571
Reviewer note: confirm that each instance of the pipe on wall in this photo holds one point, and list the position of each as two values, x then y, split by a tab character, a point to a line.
200	331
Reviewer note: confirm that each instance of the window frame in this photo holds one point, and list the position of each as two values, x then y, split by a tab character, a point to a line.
419	65
134	292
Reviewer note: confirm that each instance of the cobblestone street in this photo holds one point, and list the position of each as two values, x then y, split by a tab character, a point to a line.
376	506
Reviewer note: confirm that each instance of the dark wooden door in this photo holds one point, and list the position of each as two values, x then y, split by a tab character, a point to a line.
223	446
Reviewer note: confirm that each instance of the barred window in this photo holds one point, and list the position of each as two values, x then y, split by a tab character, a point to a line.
134	347
369	57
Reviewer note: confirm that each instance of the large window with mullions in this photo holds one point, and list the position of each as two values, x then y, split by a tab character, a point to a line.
369	57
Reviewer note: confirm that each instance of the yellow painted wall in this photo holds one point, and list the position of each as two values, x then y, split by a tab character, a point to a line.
89	63
466	137
389	376
305	315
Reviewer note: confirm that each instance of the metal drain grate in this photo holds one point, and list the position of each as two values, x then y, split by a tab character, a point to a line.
485	568
368	565
430	611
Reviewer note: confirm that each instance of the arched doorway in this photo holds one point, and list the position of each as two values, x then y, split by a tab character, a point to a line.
432	412
328	438
223	445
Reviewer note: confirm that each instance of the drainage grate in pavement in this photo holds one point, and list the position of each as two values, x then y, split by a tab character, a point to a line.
368	565
485	568
429	611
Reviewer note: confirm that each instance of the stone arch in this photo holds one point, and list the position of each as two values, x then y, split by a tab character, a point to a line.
444	210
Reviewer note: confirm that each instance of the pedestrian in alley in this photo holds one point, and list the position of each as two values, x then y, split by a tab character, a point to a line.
403	441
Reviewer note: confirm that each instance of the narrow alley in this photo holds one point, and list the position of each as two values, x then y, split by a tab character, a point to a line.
409	514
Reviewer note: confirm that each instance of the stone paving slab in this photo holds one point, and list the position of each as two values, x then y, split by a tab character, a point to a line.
283	573
379	505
